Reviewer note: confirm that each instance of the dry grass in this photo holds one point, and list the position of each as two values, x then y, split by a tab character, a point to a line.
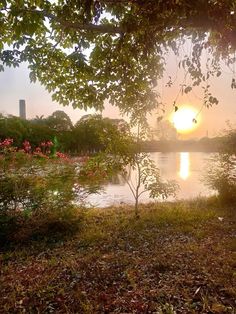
177	258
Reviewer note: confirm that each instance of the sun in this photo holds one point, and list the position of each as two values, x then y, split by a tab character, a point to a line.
184	119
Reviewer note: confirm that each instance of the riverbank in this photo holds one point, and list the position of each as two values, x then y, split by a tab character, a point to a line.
177	258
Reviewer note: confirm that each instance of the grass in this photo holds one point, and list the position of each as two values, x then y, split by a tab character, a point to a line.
177	258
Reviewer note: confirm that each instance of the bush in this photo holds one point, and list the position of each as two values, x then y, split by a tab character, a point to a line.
39	194
221	176
36	186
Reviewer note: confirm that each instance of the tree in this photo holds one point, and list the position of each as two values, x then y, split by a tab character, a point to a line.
38	133
87	51
38	120
13	127
59	121
124	153
93	133
148	179
165	131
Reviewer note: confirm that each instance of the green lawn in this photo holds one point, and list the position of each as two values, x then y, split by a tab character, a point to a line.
177	258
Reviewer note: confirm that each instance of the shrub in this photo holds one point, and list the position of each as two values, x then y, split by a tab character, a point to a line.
221	176
38	192
221	171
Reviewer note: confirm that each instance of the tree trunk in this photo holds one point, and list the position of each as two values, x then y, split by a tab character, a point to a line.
136	208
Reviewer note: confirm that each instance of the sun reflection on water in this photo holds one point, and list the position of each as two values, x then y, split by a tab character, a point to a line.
184	166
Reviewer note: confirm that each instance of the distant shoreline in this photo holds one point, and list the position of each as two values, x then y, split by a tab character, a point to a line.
208	145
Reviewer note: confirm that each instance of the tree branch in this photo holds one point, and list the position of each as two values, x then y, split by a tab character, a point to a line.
131	189
145	191
101	28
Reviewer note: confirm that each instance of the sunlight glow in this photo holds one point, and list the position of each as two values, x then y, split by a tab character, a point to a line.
184	166
183	120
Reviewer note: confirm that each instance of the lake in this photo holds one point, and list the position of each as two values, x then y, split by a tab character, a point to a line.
187	168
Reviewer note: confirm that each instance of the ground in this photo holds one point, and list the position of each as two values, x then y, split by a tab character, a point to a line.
176	258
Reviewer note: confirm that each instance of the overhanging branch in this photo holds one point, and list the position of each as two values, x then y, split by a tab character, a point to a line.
65	24
102	28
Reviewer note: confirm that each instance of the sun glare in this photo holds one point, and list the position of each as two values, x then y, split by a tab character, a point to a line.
184	120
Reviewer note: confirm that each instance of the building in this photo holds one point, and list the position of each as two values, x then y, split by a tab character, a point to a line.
22	109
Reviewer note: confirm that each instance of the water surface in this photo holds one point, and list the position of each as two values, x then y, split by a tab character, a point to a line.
187	168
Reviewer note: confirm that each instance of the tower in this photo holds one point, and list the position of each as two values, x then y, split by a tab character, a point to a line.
22	109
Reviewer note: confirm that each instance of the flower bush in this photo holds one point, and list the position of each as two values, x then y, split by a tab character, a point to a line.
36	188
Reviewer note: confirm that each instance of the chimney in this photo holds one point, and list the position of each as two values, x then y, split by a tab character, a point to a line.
22	109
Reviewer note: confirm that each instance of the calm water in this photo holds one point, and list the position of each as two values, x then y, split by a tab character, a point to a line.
186	168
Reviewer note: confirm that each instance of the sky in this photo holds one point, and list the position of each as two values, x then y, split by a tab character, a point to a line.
15	85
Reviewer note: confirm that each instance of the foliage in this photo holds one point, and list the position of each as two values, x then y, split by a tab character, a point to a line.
229	140
59	121
221	176
164	131
13	127
35	186
221	170
116	150
123	155
92	133
88	51
148	180
20	130
49	225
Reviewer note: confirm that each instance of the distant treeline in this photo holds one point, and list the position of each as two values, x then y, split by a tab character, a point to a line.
203	145
90	134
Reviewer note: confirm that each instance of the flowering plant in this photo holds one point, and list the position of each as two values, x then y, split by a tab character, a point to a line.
36	184
34	179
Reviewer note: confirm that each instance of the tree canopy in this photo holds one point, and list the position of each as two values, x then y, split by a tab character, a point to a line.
59	121
91	134
87	51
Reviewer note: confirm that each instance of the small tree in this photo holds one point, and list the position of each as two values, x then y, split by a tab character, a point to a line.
148	180
124	151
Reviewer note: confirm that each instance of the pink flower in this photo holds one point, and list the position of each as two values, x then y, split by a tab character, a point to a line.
6	142
38	150
61	155
27	146
49	143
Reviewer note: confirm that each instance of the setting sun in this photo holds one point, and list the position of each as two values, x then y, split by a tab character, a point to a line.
184	119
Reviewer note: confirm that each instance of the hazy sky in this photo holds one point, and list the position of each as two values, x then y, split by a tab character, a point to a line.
15	85
212	120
